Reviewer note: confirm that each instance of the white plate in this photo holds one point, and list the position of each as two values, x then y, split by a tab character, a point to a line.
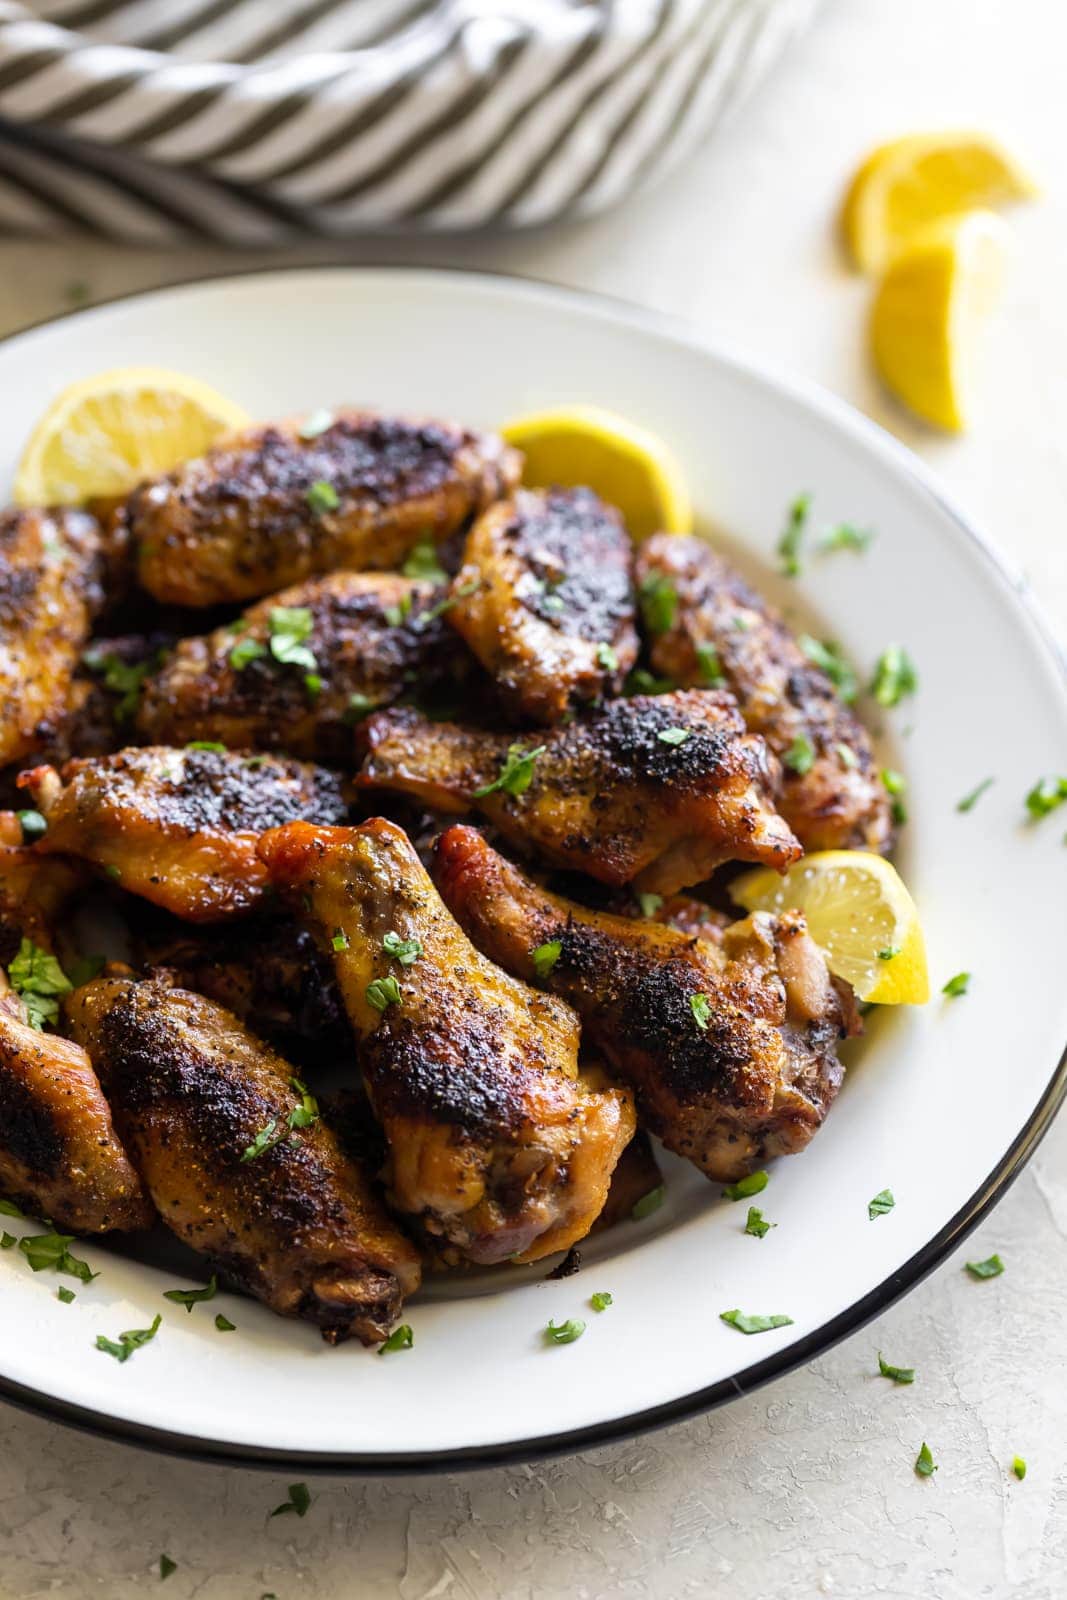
941	1105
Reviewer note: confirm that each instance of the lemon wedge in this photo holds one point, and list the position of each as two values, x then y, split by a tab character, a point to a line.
626	465
905	185
106	433
858	912
927	315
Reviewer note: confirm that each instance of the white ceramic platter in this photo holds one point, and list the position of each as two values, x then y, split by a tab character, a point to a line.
941	1105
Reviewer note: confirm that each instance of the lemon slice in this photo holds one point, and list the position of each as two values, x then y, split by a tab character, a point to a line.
624	464
104	434
905	185
926	317
859	913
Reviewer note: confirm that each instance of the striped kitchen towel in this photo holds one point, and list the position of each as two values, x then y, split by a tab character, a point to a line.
248	121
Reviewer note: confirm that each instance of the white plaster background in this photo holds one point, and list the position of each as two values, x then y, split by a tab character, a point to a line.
804	1489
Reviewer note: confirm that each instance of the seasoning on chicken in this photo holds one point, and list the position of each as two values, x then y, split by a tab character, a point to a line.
299	669
731	1051
545	599
279	503
238	1162
179	827
495	1144
710	627
50	590
656	790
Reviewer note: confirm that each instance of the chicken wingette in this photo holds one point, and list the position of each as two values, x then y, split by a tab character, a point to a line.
731	1050
709	626
496	1146
545	600
656	790
238	1162
282	502
179	827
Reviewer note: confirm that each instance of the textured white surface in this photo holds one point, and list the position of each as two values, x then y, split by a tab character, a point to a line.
804	1489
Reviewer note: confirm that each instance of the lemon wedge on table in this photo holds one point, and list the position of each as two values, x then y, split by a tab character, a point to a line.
858	912
904	186
927	314
622	462
106	433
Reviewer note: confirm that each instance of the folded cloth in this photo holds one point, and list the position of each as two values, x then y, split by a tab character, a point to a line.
252	120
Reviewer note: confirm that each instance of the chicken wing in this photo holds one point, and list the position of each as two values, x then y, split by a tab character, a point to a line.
282	502
179	827
494	1144
732	1052
718	630
35	890
365	639
545	600
50	590
656	790
238	1162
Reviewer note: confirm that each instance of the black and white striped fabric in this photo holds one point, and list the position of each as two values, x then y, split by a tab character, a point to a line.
247	121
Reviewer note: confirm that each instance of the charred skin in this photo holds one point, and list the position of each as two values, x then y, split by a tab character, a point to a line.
755	1082
298	1226
51	572
546	601
373	637
237	523
495	1145
840	803
608	796
179	827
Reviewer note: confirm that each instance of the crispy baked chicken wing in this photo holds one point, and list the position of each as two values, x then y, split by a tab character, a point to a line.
35	890
495	1146
545	600
295	1223
179	827
365	639
656	790
721	630
732	1052
282	502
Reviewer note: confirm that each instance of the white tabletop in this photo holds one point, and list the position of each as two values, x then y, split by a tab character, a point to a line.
805	1488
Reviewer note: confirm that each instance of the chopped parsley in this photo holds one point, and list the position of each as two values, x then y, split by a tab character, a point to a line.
746	1322
709	666
847	756
564	1332
601	1300
50	1251
339	940
244	651
398	614
649	903
895	784
641	681
211	745
745	1188
290	627
700	1006
882	1203
7	1241
658	599
894	677
39	979
424	618
800	757
223	1324
121	678
545	956
648	1203
406	951
673	736
65	1294
969	801
316	424
359	706
299	1501
516	774
757	1224
1045	796
33	825
606	658
401	1338
192	1297
792	536
890	952
307	1112
1018	1466
845	536
898	1374
925	1465
957	985
322	497
265	1140
829	659
123	1347
992	1267
422	563
383	992
166	1566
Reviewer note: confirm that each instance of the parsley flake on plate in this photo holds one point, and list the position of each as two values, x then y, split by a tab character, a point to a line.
746	1187
601	1300
51	1252
792	536
1018	1466
515	775
299	1501
545	956
881	1204
757	1224
223	1324
166	1567
648	1203
1046	795
845	536
401	1338
969	801
898	1374
750	1322
957	985
991	1267
894	677
564	1332
191	1297
123	1347
65	1294
925	1465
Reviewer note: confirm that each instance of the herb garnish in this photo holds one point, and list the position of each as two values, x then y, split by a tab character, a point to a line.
649	903
322	497
992	1267
1045	796
894	677
244	651
51	1250
792	536
845	536
401	1338
33	825
700	1006
847	757
424	618
564	1332
122	679
192	1297
746	1187
757	1224
746	1322
422	562
516	774
895	784
898	1374
648	1203
800	757
658	599
882	1203
339	940
957	985
545	956
1018	1466
969	801
359	705
299	1500
65	1294
166	1567
39	979
290	626
606	658
7	1241
709	666
383	992
925	1465
122	1348
673	736
265	1140
601	1300
641	681
829	659
316	424
307	1112
406	951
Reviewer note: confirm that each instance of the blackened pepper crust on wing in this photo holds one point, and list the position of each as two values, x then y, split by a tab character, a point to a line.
179	827
270	506
720	625
375	637
545	600
749	1075
298	1224
496	1146
654	790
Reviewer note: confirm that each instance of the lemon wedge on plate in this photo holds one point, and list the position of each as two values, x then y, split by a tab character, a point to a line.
623	463
106	433
927	312
858	912
905	185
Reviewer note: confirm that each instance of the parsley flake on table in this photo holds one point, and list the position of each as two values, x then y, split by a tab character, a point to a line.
322	497
601	1300
898	1374
299	1501
166	1567
648	1203
757	1224
991	1267
545	956
881	1204
1046	795
383	992
969	801
422	562
658	599
39	979
673	736
700	1006
925	1465
800	757
792	536
516	774
191	1297
123	1347
894	677
406	951
746	1187
750	1322
829	659
564	1332
606	658
401	1338
957	985
51	1252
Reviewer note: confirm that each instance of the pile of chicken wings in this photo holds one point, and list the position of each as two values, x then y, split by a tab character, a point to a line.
392	765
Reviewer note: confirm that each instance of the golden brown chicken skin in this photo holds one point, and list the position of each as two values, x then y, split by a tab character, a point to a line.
656	791
495	1146
50	591
367	639
721	630
35	890
279	503
296	1223
731	1052
179	827
545	600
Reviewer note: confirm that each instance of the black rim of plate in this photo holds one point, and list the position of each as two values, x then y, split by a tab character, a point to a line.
821	1339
